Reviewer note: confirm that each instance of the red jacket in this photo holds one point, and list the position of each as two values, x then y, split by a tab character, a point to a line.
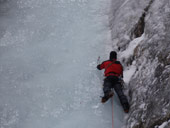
113	68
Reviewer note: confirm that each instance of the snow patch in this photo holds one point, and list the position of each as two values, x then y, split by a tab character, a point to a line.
142	106
163	125
129	72
130	49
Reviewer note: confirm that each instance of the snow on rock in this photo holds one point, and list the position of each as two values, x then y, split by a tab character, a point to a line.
131	47
126	54
163	125
128	72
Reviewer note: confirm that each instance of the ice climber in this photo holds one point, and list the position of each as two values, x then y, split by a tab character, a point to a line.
113	75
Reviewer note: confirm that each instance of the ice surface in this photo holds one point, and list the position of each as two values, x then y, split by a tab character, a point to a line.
48	58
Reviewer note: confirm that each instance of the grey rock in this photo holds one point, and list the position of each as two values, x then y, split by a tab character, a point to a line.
149	87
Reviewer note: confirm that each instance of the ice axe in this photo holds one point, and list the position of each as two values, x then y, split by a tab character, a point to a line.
98	60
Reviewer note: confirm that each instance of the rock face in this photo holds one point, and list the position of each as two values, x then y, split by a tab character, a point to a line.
147	24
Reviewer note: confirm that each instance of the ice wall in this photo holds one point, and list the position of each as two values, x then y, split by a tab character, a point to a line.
48	58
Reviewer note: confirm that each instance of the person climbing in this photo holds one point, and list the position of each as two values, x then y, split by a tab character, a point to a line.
113	74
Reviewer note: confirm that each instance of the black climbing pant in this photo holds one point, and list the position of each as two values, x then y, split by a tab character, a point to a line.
113	82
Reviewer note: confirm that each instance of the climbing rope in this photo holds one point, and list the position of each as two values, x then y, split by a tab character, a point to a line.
112	113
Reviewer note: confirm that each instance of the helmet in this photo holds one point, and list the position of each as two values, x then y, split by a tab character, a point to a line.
113	55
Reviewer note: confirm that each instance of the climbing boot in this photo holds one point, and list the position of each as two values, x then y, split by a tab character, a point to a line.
126	107
105	98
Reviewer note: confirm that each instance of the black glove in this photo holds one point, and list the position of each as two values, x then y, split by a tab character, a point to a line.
98	67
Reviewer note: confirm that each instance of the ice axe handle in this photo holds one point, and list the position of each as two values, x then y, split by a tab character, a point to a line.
98	60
